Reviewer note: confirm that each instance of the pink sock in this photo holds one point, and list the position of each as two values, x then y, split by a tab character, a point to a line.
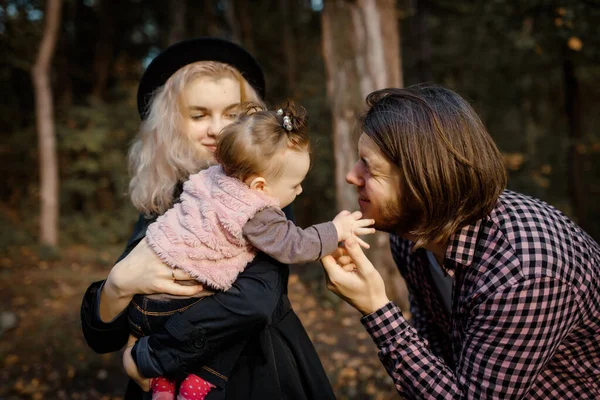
194	388
162	388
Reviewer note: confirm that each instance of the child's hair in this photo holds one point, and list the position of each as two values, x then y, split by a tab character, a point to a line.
255	143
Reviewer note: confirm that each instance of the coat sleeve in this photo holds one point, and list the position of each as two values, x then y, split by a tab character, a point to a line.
215	323
270	232
100	336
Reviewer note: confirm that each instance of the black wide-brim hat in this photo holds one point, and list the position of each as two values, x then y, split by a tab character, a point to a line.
189	51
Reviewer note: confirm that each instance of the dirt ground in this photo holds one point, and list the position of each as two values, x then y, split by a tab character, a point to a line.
45	356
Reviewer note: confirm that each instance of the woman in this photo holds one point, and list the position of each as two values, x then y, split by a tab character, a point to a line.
247	340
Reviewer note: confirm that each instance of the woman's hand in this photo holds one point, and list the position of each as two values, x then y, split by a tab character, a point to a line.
131	368
141	272
354	279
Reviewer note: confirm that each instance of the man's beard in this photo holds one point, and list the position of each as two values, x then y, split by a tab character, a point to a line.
398	217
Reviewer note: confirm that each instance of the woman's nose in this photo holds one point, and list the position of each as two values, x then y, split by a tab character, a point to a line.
216	126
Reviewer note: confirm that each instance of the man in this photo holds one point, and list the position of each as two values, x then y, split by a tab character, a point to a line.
504	289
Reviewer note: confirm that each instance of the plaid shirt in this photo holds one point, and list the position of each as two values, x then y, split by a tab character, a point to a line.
525	311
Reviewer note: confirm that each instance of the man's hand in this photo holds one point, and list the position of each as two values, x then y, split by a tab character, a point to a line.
131	368
354	279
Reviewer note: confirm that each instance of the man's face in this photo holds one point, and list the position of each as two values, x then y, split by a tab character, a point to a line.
377	182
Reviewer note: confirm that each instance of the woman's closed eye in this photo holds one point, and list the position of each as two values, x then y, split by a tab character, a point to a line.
197	117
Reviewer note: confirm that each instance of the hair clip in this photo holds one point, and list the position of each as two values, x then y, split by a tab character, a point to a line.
287	123
280	112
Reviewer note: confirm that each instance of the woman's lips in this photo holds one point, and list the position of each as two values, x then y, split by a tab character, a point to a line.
211	147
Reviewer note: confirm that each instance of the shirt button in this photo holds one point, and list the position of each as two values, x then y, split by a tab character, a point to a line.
200	343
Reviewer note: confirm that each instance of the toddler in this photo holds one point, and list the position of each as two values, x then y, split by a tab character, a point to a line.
228	212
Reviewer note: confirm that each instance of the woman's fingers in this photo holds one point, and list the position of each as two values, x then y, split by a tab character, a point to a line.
175	289
180	275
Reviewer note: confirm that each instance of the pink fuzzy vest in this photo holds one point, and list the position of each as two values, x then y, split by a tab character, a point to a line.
203	233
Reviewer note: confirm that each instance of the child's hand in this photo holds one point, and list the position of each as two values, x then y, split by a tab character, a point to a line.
351	225
131	367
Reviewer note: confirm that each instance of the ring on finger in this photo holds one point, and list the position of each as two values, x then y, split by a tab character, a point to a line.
173	273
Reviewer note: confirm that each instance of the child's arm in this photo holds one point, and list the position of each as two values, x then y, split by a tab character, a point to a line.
270	232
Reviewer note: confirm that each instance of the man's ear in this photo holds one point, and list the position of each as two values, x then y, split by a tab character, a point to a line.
257	183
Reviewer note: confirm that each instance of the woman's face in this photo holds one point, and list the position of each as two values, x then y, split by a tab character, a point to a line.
207	106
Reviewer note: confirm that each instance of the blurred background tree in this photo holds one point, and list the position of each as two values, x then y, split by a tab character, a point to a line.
530	69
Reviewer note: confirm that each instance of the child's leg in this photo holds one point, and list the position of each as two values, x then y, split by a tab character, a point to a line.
194	388
162	388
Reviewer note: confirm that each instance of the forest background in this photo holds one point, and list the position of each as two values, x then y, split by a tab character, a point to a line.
530	68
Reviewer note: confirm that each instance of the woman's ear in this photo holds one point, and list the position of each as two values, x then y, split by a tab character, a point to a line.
257	183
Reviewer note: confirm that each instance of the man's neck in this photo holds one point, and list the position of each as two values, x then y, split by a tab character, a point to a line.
438	249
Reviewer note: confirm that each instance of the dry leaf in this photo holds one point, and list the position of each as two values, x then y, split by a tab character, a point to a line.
575	43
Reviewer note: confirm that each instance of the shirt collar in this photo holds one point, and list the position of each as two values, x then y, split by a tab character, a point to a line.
462	245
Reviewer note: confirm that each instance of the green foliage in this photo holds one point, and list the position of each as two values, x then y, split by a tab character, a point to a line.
506	56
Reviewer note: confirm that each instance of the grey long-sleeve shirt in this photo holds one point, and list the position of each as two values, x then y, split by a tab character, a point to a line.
271	232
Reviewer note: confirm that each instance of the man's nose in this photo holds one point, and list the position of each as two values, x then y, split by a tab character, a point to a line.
353	178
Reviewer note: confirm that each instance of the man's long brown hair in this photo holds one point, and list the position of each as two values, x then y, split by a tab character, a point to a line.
451	170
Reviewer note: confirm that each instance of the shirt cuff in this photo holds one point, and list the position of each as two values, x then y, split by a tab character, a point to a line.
385	323
142	354
328	236
96	321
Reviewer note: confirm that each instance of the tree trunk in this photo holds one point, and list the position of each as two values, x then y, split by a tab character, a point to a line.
177	18
361	48
421	36
104	48
574	158
232	21
288	46
45	126
246	30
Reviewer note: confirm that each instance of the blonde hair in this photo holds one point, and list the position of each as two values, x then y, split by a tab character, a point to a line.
161	156
255	144
451	172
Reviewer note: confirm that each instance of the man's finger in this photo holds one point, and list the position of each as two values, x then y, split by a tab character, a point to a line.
349	267
363	244
343	260
361	261
332	268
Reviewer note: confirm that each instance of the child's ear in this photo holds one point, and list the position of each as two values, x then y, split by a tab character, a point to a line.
258	183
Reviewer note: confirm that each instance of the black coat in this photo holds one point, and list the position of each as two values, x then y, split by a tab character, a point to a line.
247	340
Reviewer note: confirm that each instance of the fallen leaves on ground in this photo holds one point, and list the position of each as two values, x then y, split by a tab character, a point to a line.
45	356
